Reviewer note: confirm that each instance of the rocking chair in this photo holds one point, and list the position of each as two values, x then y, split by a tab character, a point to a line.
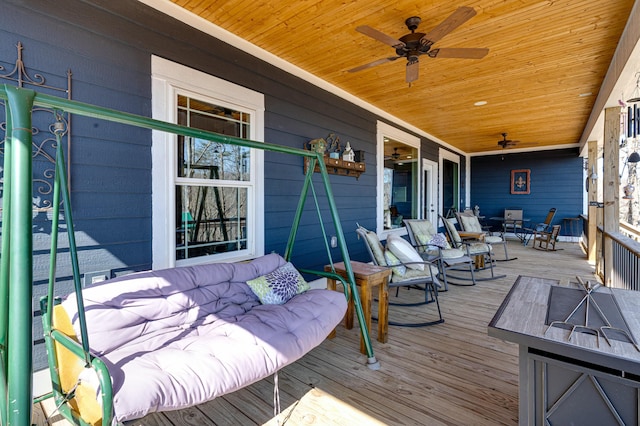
470	223
408	270
547	238
434	247
474	248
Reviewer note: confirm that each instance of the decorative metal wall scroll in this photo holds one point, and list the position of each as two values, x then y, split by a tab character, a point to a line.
44	140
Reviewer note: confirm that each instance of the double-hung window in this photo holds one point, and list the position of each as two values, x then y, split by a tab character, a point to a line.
207	196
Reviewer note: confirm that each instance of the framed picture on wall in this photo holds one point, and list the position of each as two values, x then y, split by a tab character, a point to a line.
520	181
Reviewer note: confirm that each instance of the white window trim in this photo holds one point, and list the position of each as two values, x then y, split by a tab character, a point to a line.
167	79
455	158
382	130
467	182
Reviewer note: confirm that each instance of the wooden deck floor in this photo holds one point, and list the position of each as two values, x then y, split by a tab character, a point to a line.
447	374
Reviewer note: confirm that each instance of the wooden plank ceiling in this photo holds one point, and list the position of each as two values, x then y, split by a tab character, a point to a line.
545	65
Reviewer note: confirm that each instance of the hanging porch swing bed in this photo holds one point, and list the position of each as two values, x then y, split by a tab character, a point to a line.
155	340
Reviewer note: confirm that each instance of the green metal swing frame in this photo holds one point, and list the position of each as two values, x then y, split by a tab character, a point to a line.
16	261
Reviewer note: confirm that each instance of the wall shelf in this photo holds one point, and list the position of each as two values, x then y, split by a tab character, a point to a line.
336	166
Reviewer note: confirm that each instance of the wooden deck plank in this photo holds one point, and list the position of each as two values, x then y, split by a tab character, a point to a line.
449	374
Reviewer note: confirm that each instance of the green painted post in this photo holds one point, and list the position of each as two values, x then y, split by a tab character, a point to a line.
372	362
61	179
4	264
298	215
20	334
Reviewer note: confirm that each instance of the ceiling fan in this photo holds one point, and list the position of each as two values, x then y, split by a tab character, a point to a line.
413	45
506	143
393	156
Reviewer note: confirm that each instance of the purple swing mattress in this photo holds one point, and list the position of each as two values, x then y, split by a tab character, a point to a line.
178	337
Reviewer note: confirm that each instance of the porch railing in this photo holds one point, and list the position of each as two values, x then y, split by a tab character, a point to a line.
626	261
625	249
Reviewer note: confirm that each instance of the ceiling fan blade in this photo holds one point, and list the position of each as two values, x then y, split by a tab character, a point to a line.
507	143
380	36
457	18
459	52
413	69
373	64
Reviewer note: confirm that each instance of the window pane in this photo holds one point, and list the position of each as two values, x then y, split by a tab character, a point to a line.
202	159
400	183
450	187
212	220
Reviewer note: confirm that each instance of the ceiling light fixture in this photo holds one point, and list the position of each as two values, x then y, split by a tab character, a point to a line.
480	103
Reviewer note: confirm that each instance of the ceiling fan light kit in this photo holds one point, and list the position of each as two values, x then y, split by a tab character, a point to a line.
413	45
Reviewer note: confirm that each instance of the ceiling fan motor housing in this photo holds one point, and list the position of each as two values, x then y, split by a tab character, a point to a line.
413	45
413	22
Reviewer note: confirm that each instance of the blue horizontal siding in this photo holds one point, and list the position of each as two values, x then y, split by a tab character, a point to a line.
556	181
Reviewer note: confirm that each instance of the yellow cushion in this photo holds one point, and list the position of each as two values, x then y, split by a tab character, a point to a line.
70	368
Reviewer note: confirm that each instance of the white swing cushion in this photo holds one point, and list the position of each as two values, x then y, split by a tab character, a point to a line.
183	336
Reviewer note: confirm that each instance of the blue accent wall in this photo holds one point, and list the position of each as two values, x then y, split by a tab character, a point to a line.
556	181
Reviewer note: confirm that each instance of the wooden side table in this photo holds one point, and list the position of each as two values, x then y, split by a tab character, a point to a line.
367	276
479	262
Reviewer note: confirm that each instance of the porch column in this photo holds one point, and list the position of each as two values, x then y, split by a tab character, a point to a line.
592	195
19	394
611	185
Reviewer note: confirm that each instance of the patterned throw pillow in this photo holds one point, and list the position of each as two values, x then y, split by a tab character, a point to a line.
277	287
438	240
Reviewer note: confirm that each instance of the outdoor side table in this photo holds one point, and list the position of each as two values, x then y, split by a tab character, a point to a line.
367	276
479	261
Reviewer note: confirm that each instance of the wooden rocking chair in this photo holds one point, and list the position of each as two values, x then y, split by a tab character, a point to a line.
548	238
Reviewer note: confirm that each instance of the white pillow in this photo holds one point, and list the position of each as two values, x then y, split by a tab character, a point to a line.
404	251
